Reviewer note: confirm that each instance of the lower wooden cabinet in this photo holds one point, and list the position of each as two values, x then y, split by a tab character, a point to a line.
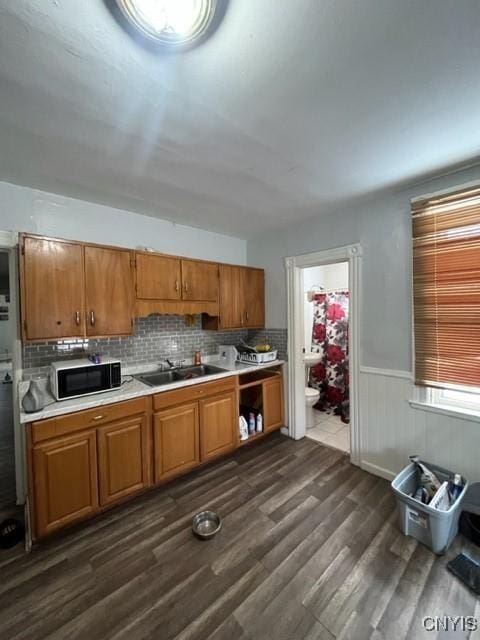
123	458
218	417
273	408
81	463
65	481
176	440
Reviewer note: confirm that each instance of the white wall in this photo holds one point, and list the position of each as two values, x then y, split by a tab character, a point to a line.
383	227
24	209
330	277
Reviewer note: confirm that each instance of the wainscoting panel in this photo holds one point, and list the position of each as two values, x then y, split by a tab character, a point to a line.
391	429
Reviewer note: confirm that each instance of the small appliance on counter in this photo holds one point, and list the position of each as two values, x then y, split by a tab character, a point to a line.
228	355
82	377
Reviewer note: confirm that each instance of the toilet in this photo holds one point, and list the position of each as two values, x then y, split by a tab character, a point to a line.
312	396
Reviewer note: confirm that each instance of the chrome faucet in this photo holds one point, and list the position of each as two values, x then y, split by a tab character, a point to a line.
168	364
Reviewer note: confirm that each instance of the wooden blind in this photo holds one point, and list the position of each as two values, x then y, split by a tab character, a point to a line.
446	289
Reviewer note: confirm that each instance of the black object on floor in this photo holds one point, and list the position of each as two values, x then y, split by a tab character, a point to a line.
11	533
467	570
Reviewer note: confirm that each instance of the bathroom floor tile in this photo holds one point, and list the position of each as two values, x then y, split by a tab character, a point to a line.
320	416
339	440
333	424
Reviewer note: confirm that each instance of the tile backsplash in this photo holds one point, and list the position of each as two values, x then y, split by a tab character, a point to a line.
155	338
276	337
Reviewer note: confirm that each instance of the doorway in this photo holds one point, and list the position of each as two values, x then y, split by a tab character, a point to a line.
8	494
300	284
326	353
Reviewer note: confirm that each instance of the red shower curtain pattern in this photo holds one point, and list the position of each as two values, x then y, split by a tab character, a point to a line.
330	339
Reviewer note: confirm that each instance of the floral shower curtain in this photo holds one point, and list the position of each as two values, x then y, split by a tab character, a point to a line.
330	338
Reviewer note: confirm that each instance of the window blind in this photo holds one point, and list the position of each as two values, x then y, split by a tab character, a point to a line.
446	290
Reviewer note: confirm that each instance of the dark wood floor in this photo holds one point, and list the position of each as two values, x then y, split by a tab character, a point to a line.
309	550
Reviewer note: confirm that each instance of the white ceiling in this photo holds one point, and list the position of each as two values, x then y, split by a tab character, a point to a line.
291	108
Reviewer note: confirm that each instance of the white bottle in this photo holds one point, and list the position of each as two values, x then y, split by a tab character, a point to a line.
259	423
243	428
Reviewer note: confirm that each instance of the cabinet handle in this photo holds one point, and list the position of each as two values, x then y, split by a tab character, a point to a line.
98	417
185	286
247	316
176	285
92	318
241	319
77	317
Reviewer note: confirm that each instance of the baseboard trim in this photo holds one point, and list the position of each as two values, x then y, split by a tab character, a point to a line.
377	471
392	373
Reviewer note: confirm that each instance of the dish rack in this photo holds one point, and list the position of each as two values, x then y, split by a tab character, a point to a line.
258	358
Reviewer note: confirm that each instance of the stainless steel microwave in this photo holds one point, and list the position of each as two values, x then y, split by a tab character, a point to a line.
76	378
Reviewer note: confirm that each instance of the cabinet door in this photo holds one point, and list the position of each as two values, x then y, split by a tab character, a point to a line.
175	434
273	403
231	297
123	458
52	289
65	481
218	417
254	297
158	277
109	291
200	281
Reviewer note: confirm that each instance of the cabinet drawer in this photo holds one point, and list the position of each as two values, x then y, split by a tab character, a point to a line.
53	427
194	392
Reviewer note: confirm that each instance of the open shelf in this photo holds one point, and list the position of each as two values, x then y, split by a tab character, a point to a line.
255	436
262	392
254	378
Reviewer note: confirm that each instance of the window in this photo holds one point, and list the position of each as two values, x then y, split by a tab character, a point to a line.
446	295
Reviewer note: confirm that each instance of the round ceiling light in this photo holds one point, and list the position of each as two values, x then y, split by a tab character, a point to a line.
173	23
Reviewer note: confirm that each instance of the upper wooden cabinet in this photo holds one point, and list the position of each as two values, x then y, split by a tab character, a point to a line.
72	289
108	291
254	297
158	277
69	289
231	297
200	280
53	290
168	278
242	299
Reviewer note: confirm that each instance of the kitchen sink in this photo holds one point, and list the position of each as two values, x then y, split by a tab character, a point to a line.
197	371
158	378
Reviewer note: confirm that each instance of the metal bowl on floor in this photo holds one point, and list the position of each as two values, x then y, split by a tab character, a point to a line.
206	524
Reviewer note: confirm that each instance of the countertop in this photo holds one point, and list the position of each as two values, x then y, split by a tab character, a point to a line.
131	388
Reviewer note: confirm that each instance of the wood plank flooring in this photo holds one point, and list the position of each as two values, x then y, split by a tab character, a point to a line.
309	550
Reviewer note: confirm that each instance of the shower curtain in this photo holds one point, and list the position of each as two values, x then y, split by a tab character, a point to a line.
330	338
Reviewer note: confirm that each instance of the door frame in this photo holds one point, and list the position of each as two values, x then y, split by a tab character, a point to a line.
295	311
9	243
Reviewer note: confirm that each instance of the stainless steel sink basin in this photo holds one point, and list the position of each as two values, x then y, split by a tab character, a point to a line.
158	378
198	371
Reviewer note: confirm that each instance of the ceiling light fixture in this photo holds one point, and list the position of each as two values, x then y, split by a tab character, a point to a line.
176	24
